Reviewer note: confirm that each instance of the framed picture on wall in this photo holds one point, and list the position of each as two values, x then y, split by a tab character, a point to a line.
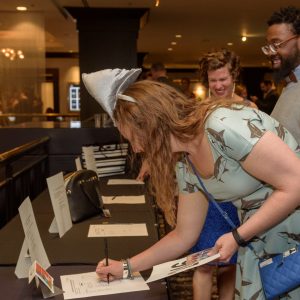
74	96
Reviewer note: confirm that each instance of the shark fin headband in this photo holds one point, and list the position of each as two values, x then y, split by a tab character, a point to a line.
107	86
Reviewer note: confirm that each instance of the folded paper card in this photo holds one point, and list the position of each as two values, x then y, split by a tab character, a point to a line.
180	265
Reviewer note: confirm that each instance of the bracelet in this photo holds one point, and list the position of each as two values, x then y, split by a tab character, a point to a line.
239	240
130	275
127	272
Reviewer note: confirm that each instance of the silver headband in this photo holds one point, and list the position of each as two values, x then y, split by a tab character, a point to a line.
126	98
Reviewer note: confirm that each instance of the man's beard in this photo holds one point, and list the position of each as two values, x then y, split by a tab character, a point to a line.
287	65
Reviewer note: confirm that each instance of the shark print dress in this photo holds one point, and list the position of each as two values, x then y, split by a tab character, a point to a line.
232	133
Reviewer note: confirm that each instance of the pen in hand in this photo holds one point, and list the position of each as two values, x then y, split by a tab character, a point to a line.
106	256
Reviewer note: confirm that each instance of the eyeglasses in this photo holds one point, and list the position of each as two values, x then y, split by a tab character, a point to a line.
272	48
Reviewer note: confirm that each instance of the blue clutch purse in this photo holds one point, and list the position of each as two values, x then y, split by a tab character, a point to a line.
280	274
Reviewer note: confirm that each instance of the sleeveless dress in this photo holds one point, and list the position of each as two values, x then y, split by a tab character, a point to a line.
232	133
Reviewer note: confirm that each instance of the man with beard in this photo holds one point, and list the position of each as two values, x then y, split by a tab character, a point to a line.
283	50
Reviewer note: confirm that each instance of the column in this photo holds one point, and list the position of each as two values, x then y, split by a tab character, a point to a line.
107	39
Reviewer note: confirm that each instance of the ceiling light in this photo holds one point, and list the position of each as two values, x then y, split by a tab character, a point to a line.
229	44
178	36
21	8
170	49
156	3
244	38
173	43
199	91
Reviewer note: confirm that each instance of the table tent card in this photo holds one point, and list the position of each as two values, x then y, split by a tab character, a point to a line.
32	248
89	158
180	265
88	284
47	282
78	164
62	221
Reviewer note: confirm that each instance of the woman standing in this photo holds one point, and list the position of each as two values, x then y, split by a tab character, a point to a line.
219	72
231	147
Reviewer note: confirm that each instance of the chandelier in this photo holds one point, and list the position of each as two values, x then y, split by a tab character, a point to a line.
12	54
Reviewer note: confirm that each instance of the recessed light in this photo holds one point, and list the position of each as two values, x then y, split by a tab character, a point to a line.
229	44
21	8
173	43
178	36
244	38
170	49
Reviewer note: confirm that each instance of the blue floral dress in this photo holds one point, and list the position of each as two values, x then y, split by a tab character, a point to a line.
232	133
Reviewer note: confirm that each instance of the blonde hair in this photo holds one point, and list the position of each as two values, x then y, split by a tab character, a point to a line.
160	111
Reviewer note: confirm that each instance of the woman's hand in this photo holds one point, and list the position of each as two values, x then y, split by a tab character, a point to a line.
226	246
114	270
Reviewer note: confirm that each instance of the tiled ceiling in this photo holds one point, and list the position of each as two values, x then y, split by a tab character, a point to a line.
203	24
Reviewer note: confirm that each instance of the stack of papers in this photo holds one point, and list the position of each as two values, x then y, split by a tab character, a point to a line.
108	159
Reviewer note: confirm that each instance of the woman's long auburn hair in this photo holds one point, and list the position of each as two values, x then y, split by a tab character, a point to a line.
160	111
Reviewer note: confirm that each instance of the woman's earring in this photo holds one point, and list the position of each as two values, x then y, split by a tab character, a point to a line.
233	90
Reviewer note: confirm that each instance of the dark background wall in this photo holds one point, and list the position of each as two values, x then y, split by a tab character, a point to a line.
107	39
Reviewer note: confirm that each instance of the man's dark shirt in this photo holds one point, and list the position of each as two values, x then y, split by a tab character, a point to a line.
268	102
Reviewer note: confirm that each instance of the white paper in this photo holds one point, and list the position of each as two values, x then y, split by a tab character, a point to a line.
60	204
31	273
110	162
180	265
24	262
78	164
33	238
123	199
89	157
53	227
110	174
124	182
89	284
108	230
